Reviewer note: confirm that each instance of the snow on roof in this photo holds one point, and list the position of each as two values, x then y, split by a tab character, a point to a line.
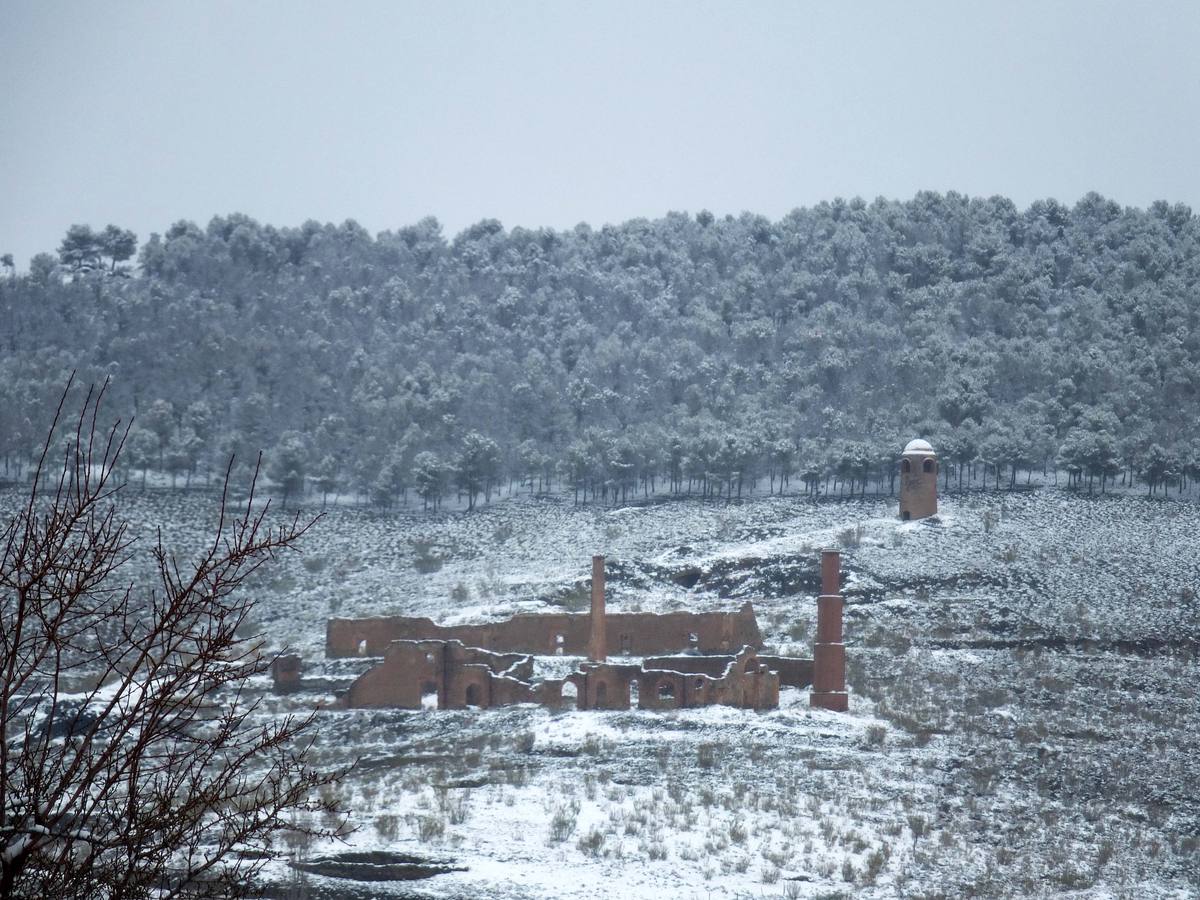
918	446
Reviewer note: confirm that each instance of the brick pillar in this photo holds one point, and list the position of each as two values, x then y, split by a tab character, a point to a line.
286	671
597	643
829	653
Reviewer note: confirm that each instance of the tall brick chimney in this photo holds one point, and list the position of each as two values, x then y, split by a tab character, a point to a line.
598	641
829	653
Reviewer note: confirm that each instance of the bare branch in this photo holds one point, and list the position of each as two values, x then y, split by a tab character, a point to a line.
162	774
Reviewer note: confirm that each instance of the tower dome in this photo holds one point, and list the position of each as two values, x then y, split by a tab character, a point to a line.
918	446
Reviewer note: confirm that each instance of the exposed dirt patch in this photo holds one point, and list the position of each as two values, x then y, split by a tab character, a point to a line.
376	865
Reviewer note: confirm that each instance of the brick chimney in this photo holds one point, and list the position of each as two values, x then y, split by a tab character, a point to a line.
829	653
598	641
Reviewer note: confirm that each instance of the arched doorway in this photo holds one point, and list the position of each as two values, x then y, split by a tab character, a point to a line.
429	695
570	692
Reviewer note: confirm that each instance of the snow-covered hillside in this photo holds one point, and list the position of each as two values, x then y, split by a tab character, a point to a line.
1024	704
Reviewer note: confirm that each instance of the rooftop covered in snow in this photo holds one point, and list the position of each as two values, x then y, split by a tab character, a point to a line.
918	448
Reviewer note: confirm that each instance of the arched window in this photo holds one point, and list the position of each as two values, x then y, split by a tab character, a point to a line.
666	690
905	466
927	466
569	691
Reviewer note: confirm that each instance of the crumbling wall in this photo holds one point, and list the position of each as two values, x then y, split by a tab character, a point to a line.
604	685
793	671
408	671
741	680
635	634
745	682
463	676
460	676
703	665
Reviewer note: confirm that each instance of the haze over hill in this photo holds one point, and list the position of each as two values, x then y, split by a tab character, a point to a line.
558	113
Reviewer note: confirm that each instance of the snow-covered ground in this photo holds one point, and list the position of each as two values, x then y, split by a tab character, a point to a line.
1023	718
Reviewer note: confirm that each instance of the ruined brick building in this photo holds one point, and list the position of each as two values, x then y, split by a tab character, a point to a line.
688	659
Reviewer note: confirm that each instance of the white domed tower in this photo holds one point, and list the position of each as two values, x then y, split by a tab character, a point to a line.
918	481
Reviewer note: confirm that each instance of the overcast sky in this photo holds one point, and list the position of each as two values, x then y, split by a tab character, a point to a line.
555	113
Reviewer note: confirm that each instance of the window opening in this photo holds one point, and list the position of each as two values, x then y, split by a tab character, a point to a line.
429	695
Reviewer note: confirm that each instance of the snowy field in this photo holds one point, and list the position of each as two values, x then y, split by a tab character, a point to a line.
1024	712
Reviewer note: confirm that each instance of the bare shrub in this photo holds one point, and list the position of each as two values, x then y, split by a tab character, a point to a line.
430	827
156	775
592	842
425	559
656	849
387	827
563	822
851	538
876	860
